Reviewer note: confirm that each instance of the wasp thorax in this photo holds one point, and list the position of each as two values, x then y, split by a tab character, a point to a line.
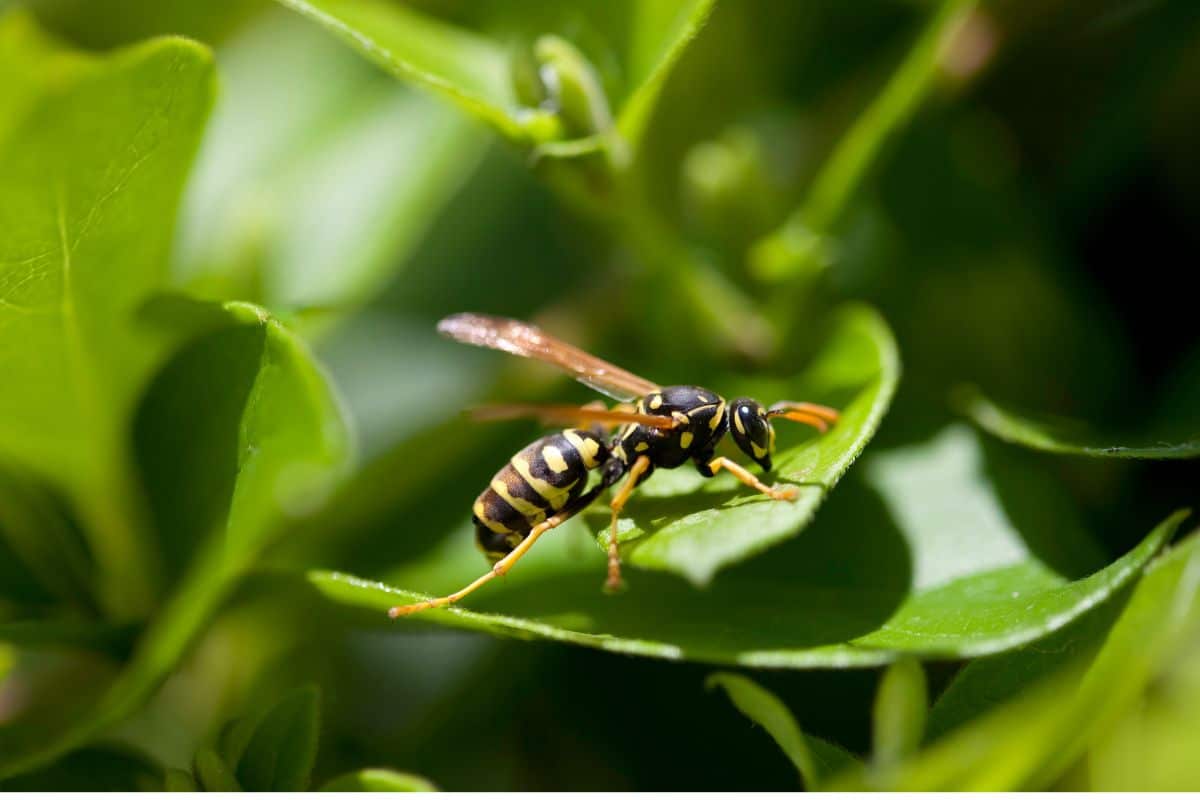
751	430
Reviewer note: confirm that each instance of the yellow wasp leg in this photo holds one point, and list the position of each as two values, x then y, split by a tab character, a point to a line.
499	569
744	475
618	504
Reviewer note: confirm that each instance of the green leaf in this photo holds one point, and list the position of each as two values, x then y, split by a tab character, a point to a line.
813	758
474	69
1071	436
1030	741
280	754
379	780
463	66
900	708
214	772
93	154
312	198
683	523
883	573
178	780
290	450
661	31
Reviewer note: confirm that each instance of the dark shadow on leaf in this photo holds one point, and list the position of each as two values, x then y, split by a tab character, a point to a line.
1040	511
842	578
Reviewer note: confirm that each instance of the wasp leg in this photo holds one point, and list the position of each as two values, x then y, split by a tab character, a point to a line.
640	466
502	566
745	476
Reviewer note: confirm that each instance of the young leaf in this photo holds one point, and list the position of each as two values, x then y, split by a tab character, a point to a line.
178	780
676	523
379	780
1070	436
474	71
311	198
883	573
280	754
93	153
292	450
900	707
814	759
214	772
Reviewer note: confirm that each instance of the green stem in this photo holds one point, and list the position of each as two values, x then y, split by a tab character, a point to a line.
787	251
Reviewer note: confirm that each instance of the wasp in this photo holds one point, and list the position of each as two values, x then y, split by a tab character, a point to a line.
657	427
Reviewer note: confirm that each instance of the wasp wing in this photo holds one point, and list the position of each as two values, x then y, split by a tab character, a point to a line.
569	415
529	341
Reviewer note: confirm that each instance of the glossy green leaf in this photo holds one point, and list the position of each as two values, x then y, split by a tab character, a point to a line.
475	70
683	523
1071	437
280	753
93	153
311	197
290	450
379	780
1030	741
815	759
901	705
883	573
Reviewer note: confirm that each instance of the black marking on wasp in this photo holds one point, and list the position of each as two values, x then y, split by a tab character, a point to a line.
545	483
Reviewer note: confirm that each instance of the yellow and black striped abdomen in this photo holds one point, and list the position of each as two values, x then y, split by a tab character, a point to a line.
538	482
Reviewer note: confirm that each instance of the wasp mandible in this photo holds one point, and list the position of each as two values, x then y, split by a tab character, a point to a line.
544	484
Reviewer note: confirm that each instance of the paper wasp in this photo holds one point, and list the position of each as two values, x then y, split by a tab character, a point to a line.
544	484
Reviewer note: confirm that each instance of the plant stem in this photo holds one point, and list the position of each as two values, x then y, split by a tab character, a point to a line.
860	149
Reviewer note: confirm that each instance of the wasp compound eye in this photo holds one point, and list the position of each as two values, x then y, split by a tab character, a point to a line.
751	430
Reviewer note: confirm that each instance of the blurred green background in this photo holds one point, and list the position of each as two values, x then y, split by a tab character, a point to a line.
1025	227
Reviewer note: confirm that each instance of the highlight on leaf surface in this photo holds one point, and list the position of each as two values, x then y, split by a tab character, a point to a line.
1032	739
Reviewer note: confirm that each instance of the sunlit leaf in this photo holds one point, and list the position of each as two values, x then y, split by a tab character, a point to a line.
945	550
1030	741
309	194
683	523
379	780
93	153
1072	437
474	68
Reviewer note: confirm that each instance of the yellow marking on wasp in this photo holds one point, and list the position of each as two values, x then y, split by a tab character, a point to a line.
525	508
588	449
619	452
554	458
491	524
771	438
680	417
641	446
554	495
737	423
716	420
685	440
656	401
759	452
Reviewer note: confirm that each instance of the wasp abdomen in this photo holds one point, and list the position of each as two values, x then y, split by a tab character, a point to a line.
537	482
